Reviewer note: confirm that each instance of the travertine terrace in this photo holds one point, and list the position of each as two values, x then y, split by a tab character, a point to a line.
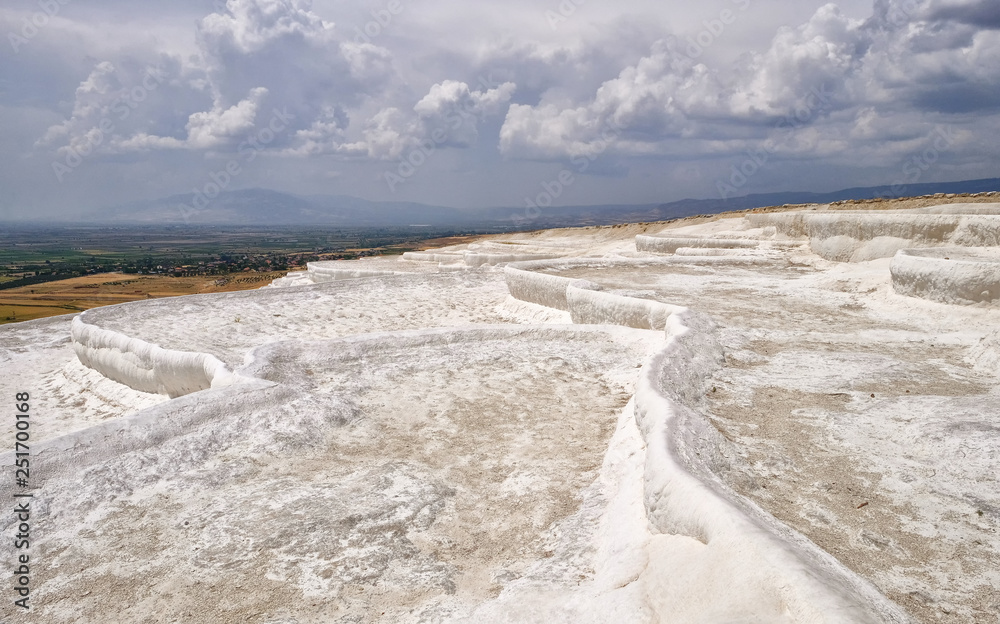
767	417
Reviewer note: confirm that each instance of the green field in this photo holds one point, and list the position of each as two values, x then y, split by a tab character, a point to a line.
35	254
46	271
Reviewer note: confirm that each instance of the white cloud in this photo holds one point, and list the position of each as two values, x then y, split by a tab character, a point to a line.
896	61
255	55
250	26
452	108
90	103
617	80
206	130
447	116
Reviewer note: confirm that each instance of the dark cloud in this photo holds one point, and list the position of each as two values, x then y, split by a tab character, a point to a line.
978	13
959	98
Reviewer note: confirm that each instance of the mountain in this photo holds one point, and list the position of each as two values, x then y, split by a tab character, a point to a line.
759	200
267	207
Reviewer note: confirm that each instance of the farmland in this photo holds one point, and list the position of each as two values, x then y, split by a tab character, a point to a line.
46	271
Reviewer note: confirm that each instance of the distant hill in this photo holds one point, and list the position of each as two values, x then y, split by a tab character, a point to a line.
759	200
267	207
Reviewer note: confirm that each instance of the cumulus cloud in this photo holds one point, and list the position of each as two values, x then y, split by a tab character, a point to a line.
253	56
250	26
848	87
205	130
91	101
284	46
389	133
115	102
452	107
828	73
447	116
326	134
258	56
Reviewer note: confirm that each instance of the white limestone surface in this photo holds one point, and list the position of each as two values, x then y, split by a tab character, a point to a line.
144	366
314	494
37	357
948	275
770	438
228	325
846	406
857	236
664	244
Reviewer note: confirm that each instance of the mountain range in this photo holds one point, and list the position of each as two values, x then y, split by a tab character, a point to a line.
268	207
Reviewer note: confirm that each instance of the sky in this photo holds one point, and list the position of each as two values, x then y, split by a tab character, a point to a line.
515	103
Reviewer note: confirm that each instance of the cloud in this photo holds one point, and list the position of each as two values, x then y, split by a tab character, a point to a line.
453	108
251	26
114	102
447	116
326	134
827	73
90	103
978	13
283	46
206	130
253	56
159	93
650	101
389	133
